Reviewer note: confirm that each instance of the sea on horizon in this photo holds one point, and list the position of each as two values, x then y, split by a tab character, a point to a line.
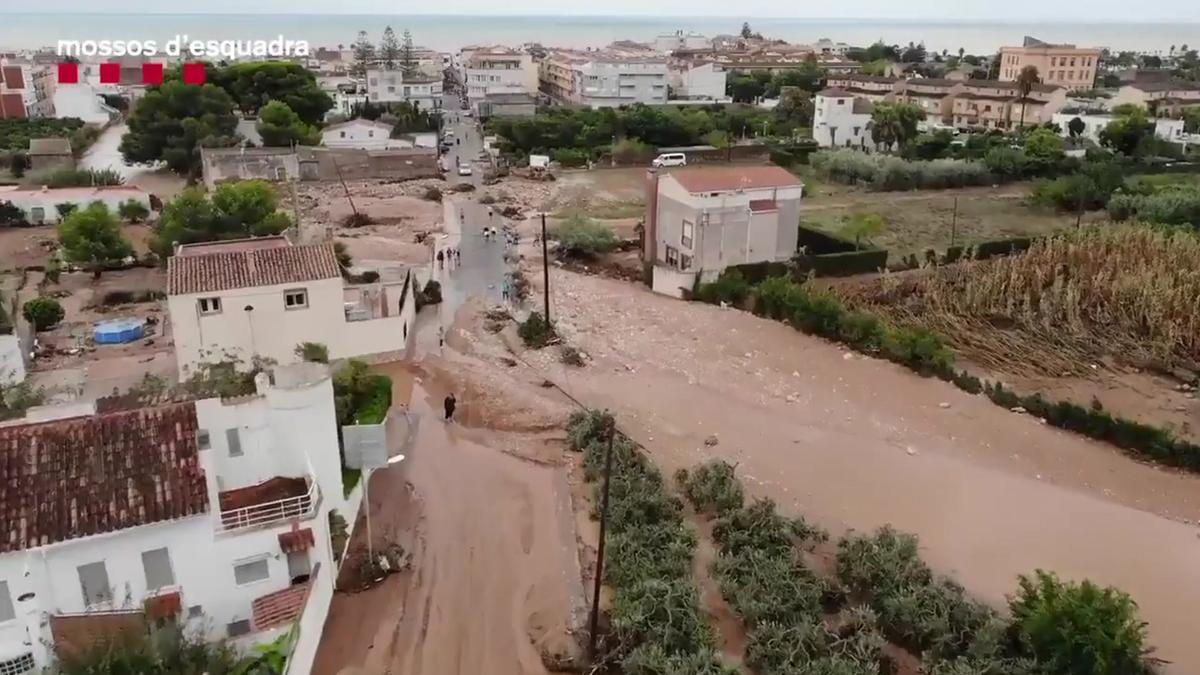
449	33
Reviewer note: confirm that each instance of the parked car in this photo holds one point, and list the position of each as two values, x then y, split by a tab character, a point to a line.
669	159
464	169
447	132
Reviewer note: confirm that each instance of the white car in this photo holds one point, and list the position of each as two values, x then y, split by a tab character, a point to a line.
669	159
464	169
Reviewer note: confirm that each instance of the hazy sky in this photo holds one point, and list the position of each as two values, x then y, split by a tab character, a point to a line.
1173	11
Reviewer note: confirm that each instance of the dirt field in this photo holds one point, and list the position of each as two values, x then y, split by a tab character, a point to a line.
855	442
31	246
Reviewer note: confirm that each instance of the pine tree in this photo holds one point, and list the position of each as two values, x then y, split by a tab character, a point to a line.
389	49
408	56
364	55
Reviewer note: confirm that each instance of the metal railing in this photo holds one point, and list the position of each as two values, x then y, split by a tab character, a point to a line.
299	507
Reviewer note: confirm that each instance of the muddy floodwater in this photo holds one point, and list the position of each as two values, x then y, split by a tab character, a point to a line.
855	442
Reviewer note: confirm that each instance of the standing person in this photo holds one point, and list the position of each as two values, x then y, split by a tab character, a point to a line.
439	259
449	405
457	256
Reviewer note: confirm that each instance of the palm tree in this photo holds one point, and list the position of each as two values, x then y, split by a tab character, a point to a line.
961	51
1025	82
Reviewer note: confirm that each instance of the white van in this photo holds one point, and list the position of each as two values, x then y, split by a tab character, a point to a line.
669	159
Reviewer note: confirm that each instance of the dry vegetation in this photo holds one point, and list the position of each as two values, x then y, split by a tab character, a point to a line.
1127	291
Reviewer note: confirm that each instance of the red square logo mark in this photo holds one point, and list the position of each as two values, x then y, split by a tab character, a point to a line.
193	73
68	73
110	73
152	73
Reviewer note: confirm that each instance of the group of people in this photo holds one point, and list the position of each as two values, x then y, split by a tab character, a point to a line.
450	256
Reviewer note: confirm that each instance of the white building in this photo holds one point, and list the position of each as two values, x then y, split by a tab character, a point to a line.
694	81
83	101
392	86
215	513
235	300
604	78
40	206
670	42
358	133
498	70
842	120
344	103
827	46
1166	129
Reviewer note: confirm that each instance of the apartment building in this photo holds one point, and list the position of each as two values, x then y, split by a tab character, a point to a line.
700	220
697	81
935	97
260	297
874	88
604	78
842	120
1167	97
1064	65
498	70
213	513
393	86
680	40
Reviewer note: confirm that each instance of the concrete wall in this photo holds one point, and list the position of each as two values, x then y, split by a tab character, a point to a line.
12	360
318	164
672	282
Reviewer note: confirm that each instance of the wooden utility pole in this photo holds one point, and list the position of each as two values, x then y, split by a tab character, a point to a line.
343	182
545	271
595	618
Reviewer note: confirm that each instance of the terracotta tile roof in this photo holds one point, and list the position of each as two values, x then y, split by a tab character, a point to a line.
64	479
721	179
281	607
834	92
12	78
297	540
198	271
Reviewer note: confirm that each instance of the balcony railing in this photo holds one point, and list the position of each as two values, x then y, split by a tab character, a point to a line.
299	507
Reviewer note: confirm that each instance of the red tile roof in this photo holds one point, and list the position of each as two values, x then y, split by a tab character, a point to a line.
12	106
281	607
64	479
723	179
12	77
297	540
198	271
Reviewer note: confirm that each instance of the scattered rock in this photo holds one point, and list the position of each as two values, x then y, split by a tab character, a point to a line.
847	356
1181	408
792	398
1038	476
943	404
911	450
1018	409
795	373
711	440
546	384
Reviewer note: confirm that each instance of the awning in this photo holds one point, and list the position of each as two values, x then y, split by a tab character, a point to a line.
297	540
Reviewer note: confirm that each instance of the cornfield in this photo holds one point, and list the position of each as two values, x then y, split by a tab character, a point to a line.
1123	290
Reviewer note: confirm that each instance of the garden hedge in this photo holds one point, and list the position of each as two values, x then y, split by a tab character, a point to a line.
842	264
818	242
997	247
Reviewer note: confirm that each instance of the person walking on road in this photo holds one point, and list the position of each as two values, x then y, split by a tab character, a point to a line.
449	404
440	258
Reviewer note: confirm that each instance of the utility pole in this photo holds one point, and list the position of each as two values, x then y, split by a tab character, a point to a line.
954	223
595	618
343	182
545	271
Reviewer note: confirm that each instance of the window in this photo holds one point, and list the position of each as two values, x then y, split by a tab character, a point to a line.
841	101
37	214
370	133
93	579
672	256
373	82
1072	62
280	173
7	613
195	612
17	665
298	566
203	442
341	134
1071	75
237	628
685	237
1052	59
295	299
157	565
251	572
685	262
391	90
234	440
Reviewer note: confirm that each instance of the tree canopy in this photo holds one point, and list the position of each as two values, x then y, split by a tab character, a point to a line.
235	210
91	236
364	55
174	120
1127	131
280	126
253	85
389	49
894	123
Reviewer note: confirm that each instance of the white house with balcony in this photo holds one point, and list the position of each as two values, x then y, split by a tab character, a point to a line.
214	513
842	120
604	78
260	297
393	86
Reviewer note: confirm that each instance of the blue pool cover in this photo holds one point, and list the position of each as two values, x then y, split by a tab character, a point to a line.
116	331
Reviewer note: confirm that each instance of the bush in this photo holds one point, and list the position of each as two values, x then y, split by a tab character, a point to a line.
67	177
125	297
711	488
357	219
918	348
10	214
885	172
431	294
433	194
1177	205
535	331
842	264
312	351
571	356
64	209
729	288
1080	629
133	211
631	151
487	199
582	237
43	313
571	157
359	396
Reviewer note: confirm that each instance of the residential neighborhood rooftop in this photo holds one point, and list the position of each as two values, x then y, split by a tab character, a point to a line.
723	179
70	478
246	263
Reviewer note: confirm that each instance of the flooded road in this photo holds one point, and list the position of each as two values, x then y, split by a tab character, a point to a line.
105	153
854	442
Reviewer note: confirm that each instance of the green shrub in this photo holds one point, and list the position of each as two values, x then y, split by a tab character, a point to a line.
133	210
11	214
711	488
432	293
842	264
818	312
861	330
535	331
918	348
571	157
432	194
1078	628
64	209
886	173
68	177
582	237
312	351
1178	205
43	313
730	288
